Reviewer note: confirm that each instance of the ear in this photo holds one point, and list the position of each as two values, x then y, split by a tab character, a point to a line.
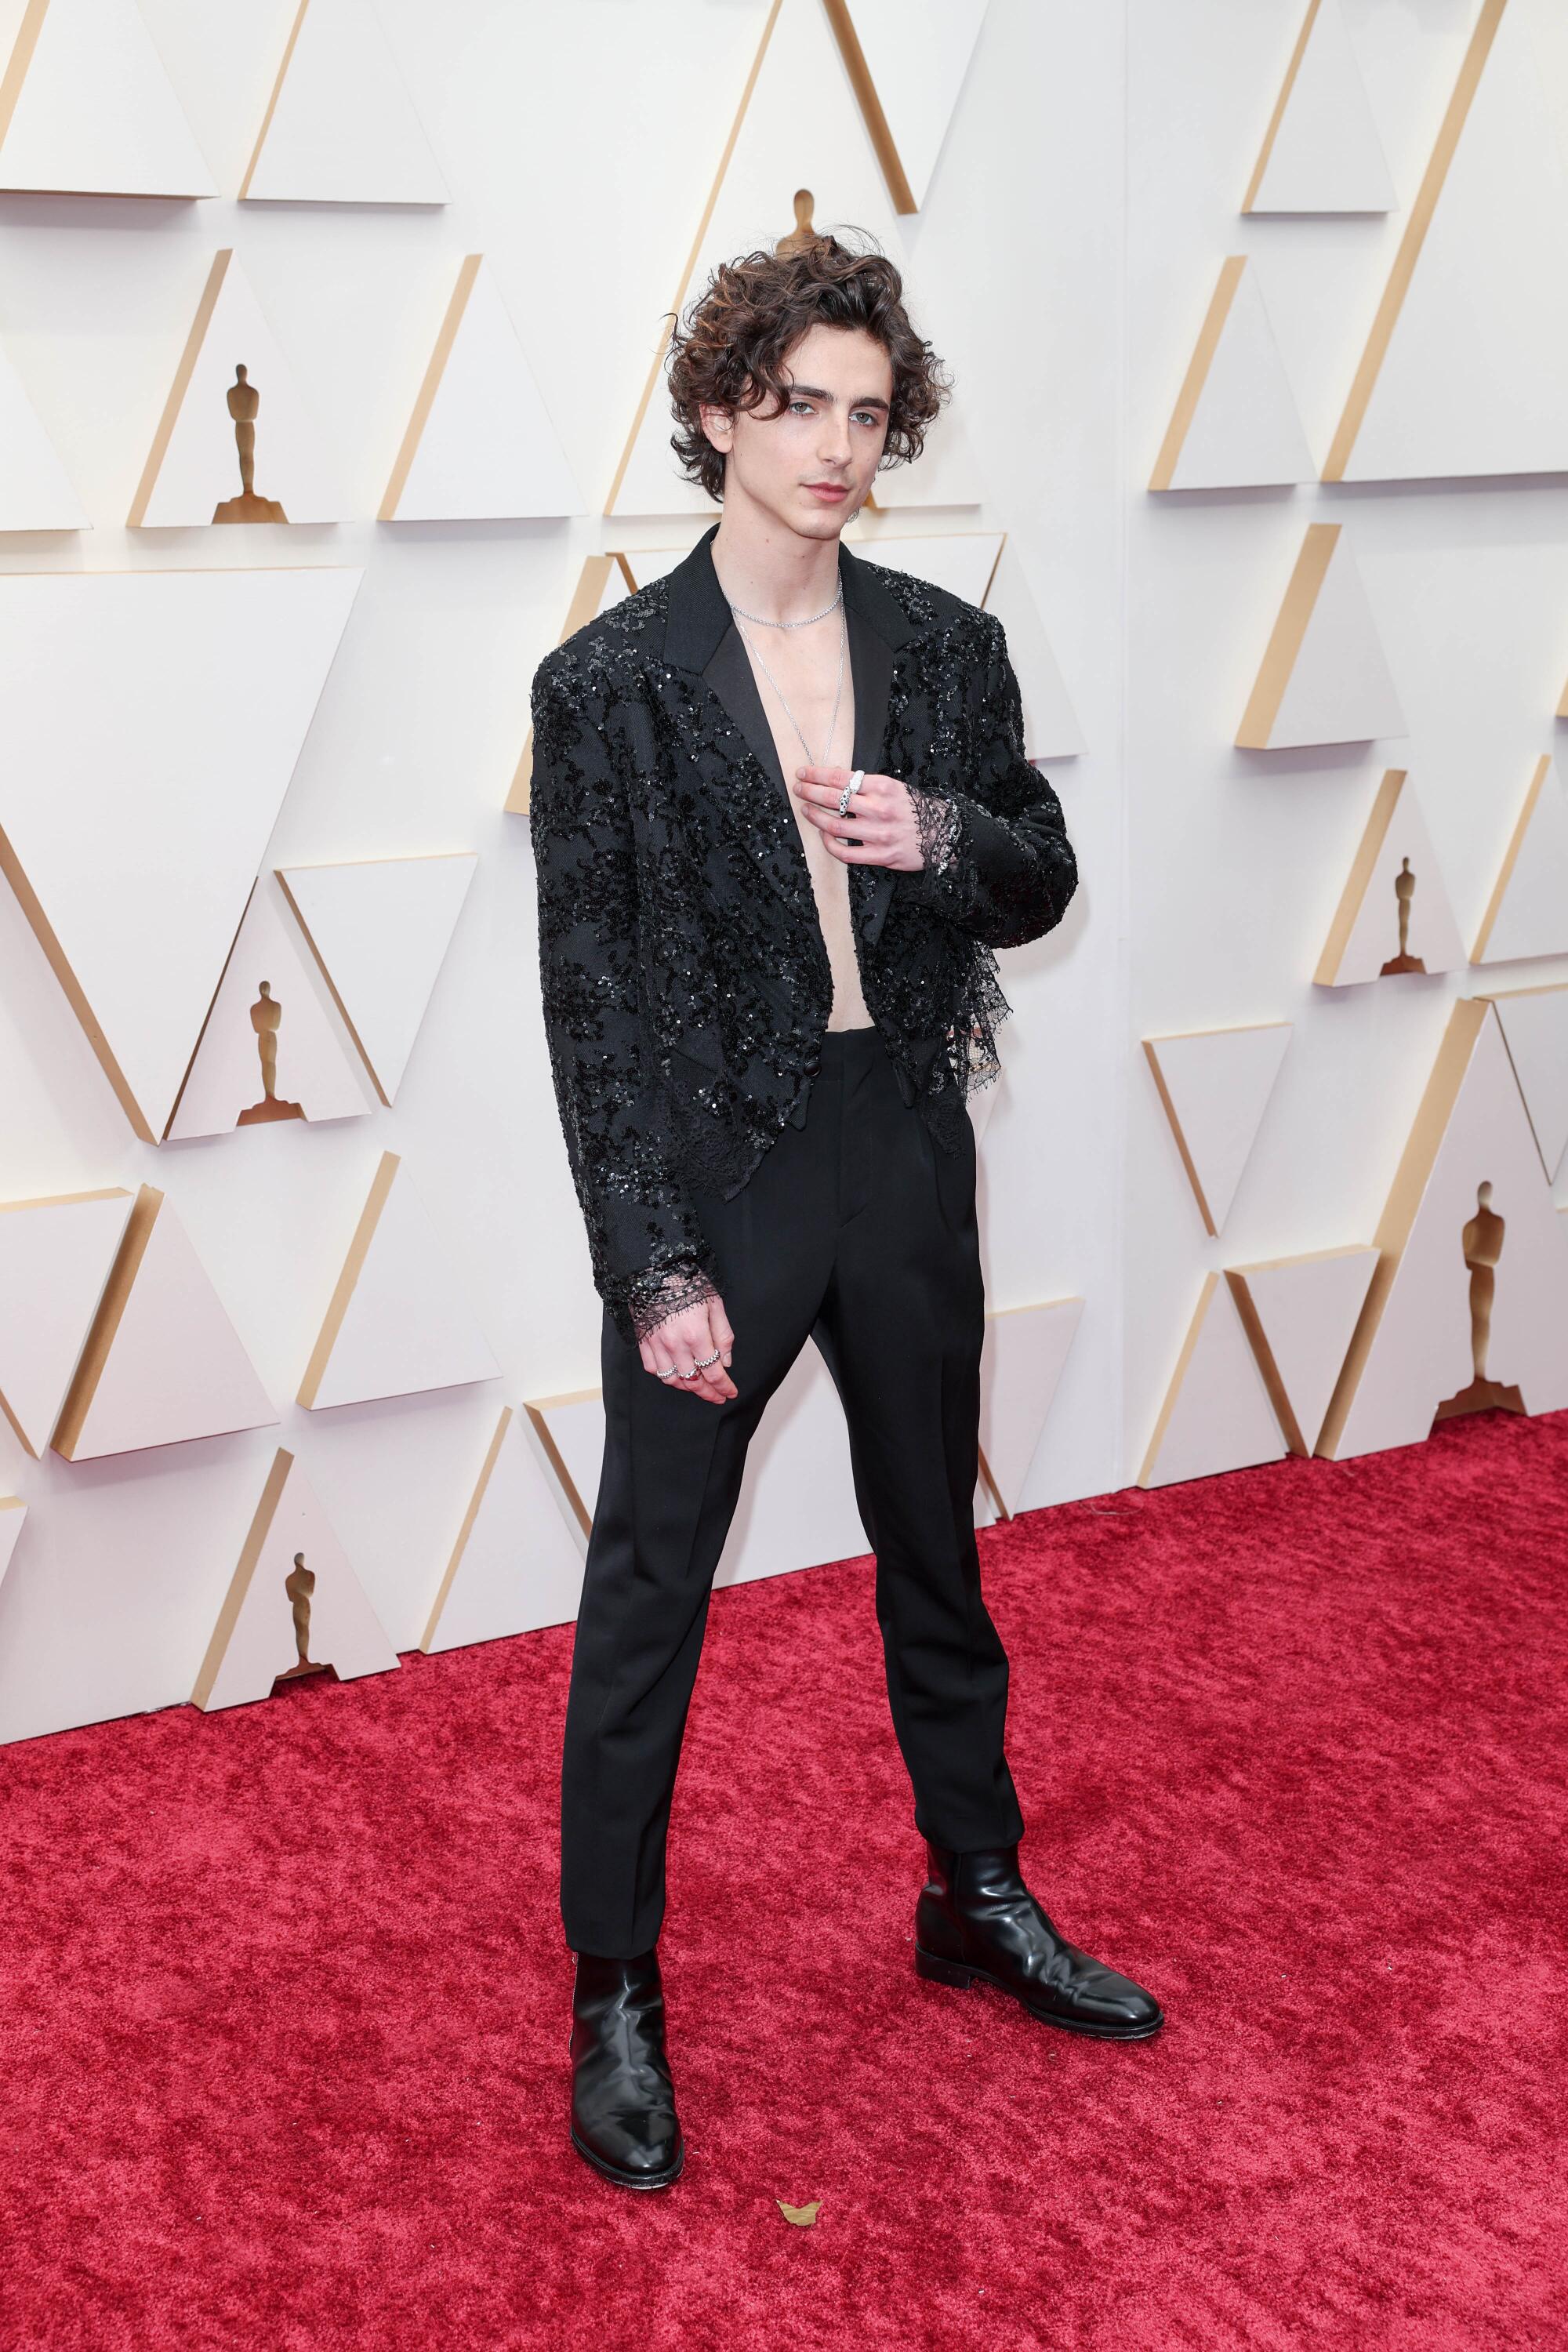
718	426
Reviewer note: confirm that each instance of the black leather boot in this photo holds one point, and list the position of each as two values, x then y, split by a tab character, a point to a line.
622	2101
977	1920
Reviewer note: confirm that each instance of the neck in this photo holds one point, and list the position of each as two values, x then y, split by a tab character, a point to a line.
772	570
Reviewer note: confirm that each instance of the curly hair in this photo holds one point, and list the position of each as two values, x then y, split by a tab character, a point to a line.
729	349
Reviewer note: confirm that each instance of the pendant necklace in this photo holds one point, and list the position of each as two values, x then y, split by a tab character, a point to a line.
838	686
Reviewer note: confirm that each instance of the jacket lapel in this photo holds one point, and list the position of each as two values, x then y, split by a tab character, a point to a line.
700	635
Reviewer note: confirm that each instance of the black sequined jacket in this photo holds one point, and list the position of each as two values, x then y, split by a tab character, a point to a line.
686	984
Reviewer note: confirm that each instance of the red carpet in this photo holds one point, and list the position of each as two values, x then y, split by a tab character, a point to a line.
286	1995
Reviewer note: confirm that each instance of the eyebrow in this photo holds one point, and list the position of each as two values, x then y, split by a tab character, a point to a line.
814	392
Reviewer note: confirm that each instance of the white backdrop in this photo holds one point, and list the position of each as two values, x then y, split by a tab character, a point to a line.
1086	194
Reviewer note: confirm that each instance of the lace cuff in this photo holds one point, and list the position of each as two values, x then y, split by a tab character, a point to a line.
945	882
664	1291
938	822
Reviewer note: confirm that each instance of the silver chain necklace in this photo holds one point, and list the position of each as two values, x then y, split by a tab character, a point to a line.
809	621
838	690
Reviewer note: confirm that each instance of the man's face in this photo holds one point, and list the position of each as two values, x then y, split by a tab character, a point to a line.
811	465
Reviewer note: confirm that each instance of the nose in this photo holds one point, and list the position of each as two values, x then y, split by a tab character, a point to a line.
833	441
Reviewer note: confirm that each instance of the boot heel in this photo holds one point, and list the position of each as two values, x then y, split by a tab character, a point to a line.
947	1972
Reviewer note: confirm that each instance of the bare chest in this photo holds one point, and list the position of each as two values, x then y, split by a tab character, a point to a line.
808	698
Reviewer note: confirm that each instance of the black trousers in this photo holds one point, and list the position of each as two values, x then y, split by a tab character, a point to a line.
858	1231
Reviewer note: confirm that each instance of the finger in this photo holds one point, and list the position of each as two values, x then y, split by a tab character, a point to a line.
715	1378
724	1337
834	778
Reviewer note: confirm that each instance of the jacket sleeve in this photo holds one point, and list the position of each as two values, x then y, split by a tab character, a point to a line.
650	1255
998	861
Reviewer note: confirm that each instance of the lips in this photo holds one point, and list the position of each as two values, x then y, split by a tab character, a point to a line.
830	493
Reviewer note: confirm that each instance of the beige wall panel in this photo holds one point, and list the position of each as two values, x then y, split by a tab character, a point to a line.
1325	677
340	127
85	107
1462	372
1216	1414
514	1564
265	1629
1299	1314
1535	1030
480	446
380	928
1051	731
570	1429
1321	152
907	60
1026	1349
1395	871
1427	1317
13	1512
1236	424
123	695
35	492
272	1047
193	470
1215	1086
962	561
55	1259
1527	914
397	1321
947	472
163	1364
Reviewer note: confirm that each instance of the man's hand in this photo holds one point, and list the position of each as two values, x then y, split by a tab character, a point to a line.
877	828
683	1341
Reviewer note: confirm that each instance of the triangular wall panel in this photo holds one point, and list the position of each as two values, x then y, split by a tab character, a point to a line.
776	147
340	127
1051	731
1026	1349
272	1048
86	105
1299	1314
1468	1186
1236	424
1216	1414
1463	369
479	445
35	493
294	1600
1325	677
1215	1086
380	928
1535	1030
163	1364
1321	152
13	1512
515	1564
192	473
570	1432
55	1258
1527	914
1395	869
907	60
122	696
397	1322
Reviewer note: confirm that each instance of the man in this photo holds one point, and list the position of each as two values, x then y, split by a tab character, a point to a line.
782	817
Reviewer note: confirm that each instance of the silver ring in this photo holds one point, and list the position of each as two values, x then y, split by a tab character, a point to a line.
857	778
669	1375
703	1361
691	1375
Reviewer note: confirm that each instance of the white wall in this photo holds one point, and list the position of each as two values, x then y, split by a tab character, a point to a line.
1087	194
579	142
1237	858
